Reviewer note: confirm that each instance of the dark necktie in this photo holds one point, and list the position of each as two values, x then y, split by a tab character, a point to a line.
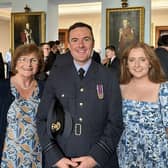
81	72
109	64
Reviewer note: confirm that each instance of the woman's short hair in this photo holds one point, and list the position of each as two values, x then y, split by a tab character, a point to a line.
27	49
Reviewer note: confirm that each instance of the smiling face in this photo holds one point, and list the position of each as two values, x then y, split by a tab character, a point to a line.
137	63
27	65
81	44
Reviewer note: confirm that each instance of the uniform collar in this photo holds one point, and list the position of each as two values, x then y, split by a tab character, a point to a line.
85	66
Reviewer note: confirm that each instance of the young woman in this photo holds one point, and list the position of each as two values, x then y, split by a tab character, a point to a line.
144	142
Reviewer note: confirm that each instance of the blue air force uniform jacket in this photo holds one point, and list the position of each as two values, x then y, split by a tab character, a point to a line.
95	106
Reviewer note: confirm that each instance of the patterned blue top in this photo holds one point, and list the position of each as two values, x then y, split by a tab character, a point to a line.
144	142
21	147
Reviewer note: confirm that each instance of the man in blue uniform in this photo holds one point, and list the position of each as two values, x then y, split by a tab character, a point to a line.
91	97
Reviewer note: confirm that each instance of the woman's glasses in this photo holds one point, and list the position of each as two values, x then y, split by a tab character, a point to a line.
27	60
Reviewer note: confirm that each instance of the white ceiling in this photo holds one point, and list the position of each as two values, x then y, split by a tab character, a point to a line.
5	13
159	4
82	8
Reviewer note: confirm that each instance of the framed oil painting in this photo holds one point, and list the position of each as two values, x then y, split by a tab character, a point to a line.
124	26
160	30
27	27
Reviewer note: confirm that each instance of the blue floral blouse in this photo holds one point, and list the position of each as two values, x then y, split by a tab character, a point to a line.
21	147
144	142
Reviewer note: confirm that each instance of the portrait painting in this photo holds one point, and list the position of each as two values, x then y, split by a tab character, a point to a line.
27	27
124	26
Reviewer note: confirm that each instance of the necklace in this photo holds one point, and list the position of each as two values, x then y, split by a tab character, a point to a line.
23	87
29	87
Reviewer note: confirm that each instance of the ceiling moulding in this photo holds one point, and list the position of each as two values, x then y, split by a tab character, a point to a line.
160	4
80	8
5	13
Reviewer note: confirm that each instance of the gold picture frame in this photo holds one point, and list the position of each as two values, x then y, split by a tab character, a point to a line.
123	26
27	27
159	30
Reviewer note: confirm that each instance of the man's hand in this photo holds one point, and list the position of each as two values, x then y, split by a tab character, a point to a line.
84	162
65	163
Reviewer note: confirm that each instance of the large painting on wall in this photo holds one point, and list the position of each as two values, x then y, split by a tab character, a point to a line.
27	27
124	26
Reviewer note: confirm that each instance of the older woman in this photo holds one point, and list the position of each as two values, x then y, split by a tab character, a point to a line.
144	142
19	99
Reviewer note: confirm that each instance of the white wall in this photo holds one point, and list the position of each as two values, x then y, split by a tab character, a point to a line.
52	21
48	6
4	36
35	5
159	18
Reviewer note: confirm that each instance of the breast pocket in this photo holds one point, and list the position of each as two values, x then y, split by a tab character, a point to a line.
67	99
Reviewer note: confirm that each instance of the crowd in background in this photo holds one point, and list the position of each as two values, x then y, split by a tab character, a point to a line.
53	48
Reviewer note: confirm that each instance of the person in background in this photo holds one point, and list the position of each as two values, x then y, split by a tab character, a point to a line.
162	52
96	56
2	70
53	47
49	56
113	61
105	60
144	142
19	99
91	97
53	53
57	42
8	57
46	50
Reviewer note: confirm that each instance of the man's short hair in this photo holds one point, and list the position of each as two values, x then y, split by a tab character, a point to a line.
163	40
57	42
51	43
111	47
80	24
43	43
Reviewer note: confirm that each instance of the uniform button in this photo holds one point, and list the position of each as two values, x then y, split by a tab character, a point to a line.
81	89
80	119
81	104
62	95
